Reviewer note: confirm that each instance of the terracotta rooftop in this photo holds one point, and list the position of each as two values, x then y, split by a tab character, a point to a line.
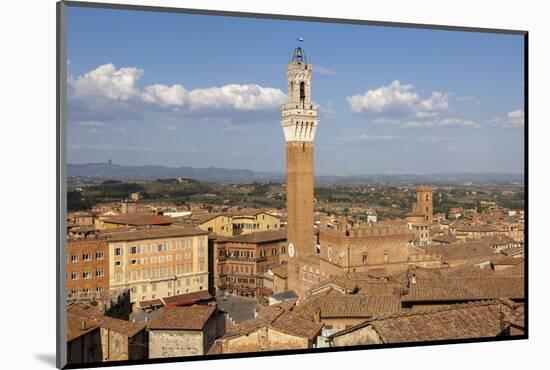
460	250
75	328
350	305
257	237
473	320
182	318
187	298
445	239
139	219
476	228
92	318
169	232
465	289
281	317
281	271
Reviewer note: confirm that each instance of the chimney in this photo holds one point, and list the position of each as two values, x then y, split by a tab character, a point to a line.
413	278
317	315
83	325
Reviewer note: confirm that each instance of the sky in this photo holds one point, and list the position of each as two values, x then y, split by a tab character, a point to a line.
147	88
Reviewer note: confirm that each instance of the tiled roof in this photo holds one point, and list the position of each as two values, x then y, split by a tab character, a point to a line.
512	251
460	250
465	289
476	228
293	324
473	320
187	298
169	232
281	271
75	328
257	237
182	318
517	270
279	317
445	239
139	219
350	305
92	318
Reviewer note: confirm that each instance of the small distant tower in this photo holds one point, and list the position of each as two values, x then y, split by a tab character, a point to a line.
299	121
424	202
110	162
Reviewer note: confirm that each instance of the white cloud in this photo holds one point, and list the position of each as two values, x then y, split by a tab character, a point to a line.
90	123
323	70
164	95
468	99
235	96
447	122
398	99
366	137
513	119
108	82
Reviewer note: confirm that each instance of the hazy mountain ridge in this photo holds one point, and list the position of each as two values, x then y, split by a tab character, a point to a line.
224	175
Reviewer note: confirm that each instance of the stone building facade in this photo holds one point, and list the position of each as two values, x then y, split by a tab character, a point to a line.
242	261
157	263
87	269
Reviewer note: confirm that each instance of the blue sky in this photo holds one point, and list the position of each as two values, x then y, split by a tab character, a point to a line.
195	90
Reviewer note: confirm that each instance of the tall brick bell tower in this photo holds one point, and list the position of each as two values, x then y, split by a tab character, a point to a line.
299	121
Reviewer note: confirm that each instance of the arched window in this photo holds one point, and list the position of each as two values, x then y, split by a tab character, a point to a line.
302	92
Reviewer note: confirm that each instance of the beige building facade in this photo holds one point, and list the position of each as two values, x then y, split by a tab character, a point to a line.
158	263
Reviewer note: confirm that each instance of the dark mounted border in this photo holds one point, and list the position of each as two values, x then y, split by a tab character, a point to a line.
61	72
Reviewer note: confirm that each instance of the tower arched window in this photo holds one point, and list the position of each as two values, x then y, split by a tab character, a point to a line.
302	92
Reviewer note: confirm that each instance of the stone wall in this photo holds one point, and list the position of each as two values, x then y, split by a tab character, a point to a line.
175	343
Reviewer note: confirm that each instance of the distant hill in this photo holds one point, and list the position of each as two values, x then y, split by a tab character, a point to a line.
224	175
210	174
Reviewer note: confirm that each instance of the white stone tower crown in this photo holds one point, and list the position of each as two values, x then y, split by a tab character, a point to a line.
299	115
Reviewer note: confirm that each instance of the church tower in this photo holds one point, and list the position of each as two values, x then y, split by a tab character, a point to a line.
299	121
424	202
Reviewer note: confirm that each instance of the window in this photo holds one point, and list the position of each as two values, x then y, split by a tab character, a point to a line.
187	244
144	248
143	274
154	288
201	242
201	251
134	262
99	272
118	263
273	251
178	244
179	269
154	273
169	258
86	275
144	288
365	258
133	276
201	266
153	259
99	255
153	247
161	259
161	248
119	252
187	267
74	275
86	257
386	257
162	272
133	250
169	246
178	257
118	277
74	258
169	284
